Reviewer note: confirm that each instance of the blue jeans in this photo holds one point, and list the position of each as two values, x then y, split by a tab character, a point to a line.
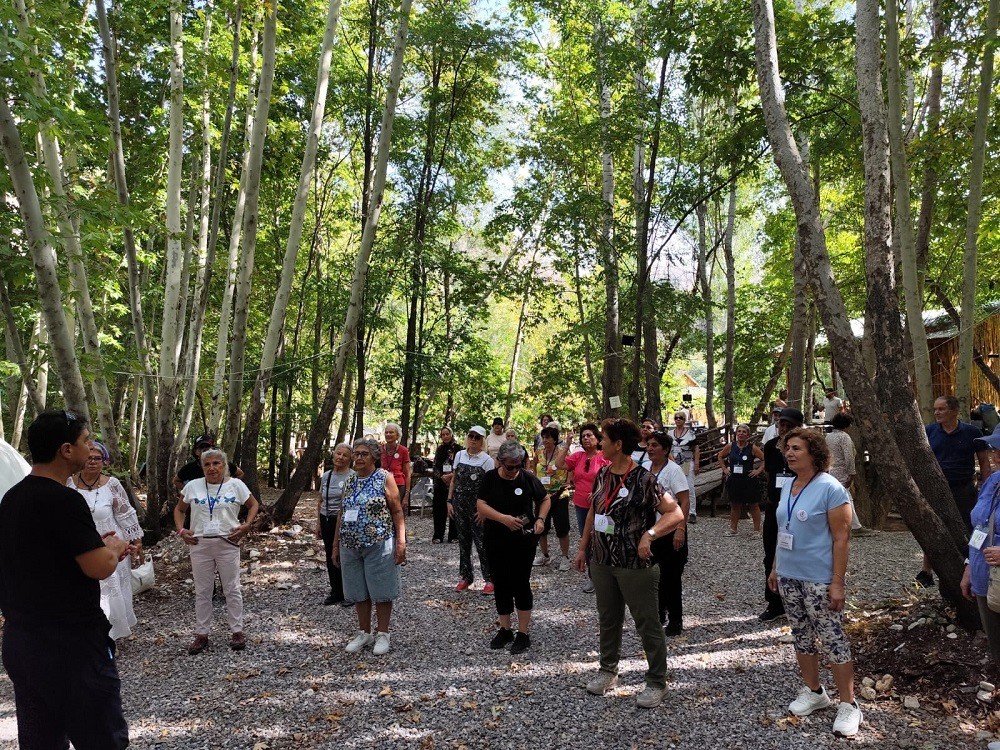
370	573
581	518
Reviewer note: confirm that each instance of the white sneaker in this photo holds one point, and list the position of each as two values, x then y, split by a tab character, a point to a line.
849	718
381	644
564	564
588	586
359	642
808	701
540	559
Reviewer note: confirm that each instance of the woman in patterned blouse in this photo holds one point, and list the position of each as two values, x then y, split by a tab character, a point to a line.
621	525
370	545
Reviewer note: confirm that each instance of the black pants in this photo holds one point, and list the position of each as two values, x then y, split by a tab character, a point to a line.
66	688
558	515
671	589
441	513
770	534
965	498
510	558
328	525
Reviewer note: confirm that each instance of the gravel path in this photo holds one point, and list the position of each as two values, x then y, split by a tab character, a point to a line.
729	676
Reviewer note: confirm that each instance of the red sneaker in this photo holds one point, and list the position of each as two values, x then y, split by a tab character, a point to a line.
462	585
488	589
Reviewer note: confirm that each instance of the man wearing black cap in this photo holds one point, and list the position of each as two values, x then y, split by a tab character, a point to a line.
777	474
192	469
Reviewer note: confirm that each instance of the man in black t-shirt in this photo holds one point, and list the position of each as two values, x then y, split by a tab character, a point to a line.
777	472
56	648
192	469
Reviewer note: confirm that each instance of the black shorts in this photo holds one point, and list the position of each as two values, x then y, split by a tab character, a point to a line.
558	514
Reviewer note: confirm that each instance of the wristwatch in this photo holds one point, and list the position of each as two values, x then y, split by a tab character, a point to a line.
652	534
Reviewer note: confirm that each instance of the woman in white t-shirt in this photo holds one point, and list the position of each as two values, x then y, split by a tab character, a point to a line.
331	495
214	538
470	467
671	551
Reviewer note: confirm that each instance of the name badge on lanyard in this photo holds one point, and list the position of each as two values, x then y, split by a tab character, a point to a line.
738	469
978	538
212	527
351	515
446	468
780	480
545	479
603	524
785	540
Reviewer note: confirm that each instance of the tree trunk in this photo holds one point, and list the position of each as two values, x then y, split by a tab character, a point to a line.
237	358
206	257
967	330
131	253
345	411
808	378
800	309
15	351
170	339
302	478
587	356
279	310
923	519
512	379
611	378
772	382
235	234
708	310
728	391
44	260
904	219
928	188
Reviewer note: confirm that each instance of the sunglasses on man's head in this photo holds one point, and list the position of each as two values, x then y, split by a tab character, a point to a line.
69	416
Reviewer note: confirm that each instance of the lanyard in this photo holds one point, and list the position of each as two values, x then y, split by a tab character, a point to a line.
212	500
793	503
610	496
994	502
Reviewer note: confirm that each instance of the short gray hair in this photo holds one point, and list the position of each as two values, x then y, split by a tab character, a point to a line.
373	446
511	451
216	453
393	426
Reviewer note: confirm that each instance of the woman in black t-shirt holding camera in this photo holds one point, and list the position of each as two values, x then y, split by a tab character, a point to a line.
513	506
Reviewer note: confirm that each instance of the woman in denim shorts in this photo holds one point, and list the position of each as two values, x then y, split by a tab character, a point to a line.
814	534
370	545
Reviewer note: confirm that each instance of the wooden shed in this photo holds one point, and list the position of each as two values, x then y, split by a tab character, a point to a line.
942	339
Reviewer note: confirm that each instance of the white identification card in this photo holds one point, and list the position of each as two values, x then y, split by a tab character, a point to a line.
785	540
737	469
781	480
351	515
212	528
604	524
978	539
446	468
545	480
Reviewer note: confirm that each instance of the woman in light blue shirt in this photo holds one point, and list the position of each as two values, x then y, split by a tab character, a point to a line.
984	549
814	532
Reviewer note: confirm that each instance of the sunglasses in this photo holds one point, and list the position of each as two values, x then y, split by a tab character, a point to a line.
475	436
69	416
586	466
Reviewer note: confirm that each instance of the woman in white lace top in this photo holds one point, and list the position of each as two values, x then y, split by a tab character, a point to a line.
108	502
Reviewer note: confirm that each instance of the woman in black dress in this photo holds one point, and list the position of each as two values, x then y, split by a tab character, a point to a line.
737	462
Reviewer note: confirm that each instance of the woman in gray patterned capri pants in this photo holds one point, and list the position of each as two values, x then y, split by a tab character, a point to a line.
814	535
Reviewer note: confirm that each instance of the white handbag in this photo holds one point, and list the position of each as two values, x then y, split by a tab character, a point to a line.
143	577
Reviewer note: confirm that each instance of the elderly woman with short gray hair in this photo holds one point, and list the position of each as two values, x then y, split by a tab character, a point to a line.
213	539
331	494
370	545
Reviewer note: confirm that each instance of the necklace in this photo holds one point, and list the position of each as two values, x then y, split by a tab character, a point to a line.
87	484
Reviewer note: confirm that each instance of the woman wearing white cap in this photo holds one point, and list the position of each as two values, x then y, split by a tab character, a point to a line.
470	467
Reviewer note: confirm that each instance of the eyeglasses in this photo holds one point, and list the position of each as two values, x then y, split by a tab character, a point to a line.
362	454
